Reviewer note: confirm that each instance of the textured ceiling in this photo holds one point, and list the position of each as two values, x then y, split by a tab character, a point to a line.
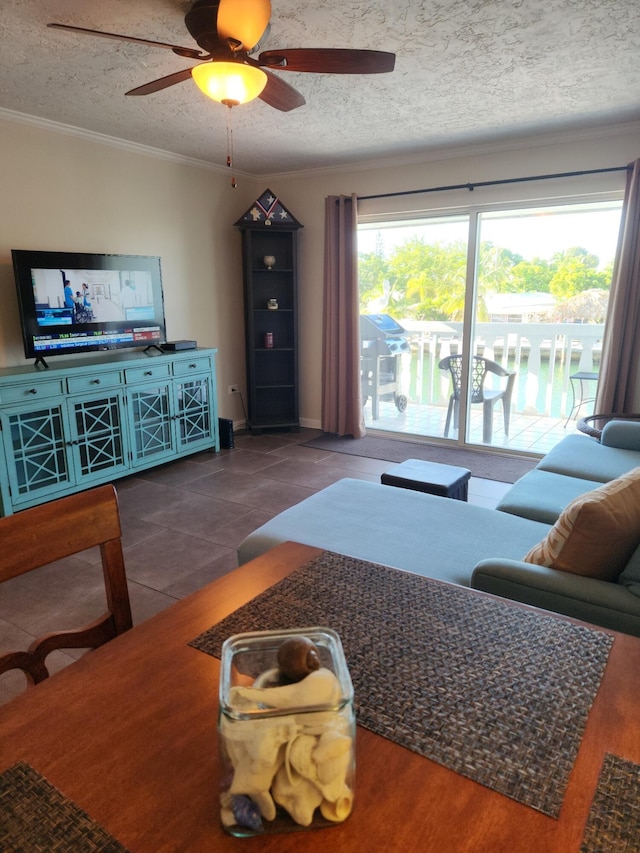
466	71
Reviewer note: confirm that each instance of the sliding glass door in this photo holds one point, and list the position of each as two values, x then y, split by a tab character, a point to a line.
416	274
485	327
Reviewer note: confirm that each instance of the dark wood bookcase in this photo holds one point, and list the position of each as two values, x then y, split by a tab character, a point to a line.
269	231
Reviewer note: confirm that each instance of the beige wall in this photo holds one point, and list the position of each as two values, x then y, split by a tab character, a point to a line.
61	192
305	195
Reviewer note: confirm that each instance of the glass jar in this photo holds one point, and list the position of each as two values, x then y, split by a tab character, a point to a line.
287	747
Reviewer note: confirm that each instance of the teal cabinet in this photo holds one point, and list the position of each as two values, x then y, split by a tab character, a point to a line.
98	437
36	453
151	428
193	413
90	422
173	415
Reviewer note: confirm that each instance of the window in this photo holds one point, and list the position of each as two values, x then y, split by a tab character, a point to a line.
524	287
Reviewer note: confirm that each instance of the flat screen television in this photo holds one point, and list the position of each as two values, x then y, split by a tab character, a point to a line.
72	302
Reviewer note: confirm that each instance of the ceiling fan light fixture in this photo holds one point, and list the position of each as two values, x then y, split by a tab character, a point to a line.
245	20
229	83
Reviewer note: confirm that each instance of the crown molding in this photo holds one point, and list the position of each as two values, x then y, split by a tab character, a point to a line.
475	149
115	142
431	154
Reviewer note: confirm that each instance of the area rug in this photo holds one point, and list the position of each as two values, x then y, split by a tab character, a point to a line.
489	466
35	816
614	818
492	691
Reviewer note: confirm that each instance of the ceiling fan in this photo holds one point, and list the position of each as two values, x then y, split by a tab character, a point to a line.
228	32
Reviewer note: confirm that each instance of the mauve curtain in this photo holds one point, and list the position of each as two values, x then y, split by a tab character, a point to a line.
617	385
341	396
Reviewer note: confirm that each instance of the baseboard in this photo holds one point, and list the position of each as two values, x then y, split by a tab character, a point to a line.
308	423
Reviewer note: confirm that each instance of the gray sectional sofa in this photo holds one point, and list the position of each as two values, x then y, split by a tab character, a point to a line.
472	545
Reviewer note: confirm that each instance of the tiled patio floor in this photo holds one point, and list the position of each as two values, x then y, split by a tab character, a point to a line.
527	433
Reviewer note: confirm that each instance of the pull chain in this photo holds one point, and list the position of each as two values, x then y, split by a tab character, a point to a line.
230	147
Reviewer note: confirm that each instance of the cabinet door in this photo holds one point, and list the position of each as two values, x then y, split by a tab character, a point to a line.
36	451
151	425
194	417
98	439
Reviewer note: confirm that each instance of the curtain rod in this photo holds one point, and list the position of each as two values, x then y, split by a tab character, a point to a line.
472	186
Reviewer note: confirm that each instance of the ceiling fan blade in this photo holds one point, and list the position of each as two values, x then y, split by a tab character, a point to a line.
281	95
243	20
329	60
161	83
190	53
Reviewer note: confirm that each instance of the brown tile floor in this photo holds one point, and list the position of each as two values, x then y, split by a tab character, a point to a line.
181	525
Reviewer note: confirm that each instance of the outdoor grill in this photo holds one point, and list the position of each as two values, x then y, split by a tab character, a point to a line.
382	341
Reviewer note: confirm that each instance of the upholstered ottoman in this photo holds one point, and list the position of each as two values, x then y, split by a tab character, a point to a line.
447	481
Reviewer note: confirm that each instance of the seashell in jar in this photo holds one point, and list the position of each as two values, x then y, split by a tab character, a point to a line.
297	657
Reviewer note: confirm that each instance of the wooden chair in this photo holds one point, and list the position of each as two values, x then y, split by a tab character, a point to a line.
479	393
34	537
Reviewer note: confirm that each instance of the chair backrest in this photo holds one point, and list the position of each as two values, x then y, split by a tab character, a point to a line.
34	537
481	366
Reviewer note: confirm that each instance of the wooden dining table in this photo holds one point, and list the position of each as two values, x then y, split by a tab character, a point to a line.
129	734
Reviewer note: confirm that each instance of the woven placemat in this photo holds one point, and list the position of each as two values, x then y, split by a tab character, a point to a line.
613	825
36	818
495	692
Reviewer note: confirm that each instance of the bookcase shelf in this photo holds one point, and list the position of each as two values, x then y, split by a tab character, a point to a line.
272	370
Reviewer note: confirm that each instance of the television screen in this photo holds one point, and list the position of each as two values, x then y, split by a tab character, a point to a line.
77	302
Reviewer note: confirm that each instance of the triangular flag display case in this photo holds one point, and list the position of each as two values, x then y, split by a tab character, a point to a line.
269	260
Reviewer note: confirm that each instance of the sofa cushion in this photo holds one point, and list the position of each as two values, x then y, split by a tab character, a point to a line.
600	602
597	533
622	434
584	457
630	577
425	534
542	495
